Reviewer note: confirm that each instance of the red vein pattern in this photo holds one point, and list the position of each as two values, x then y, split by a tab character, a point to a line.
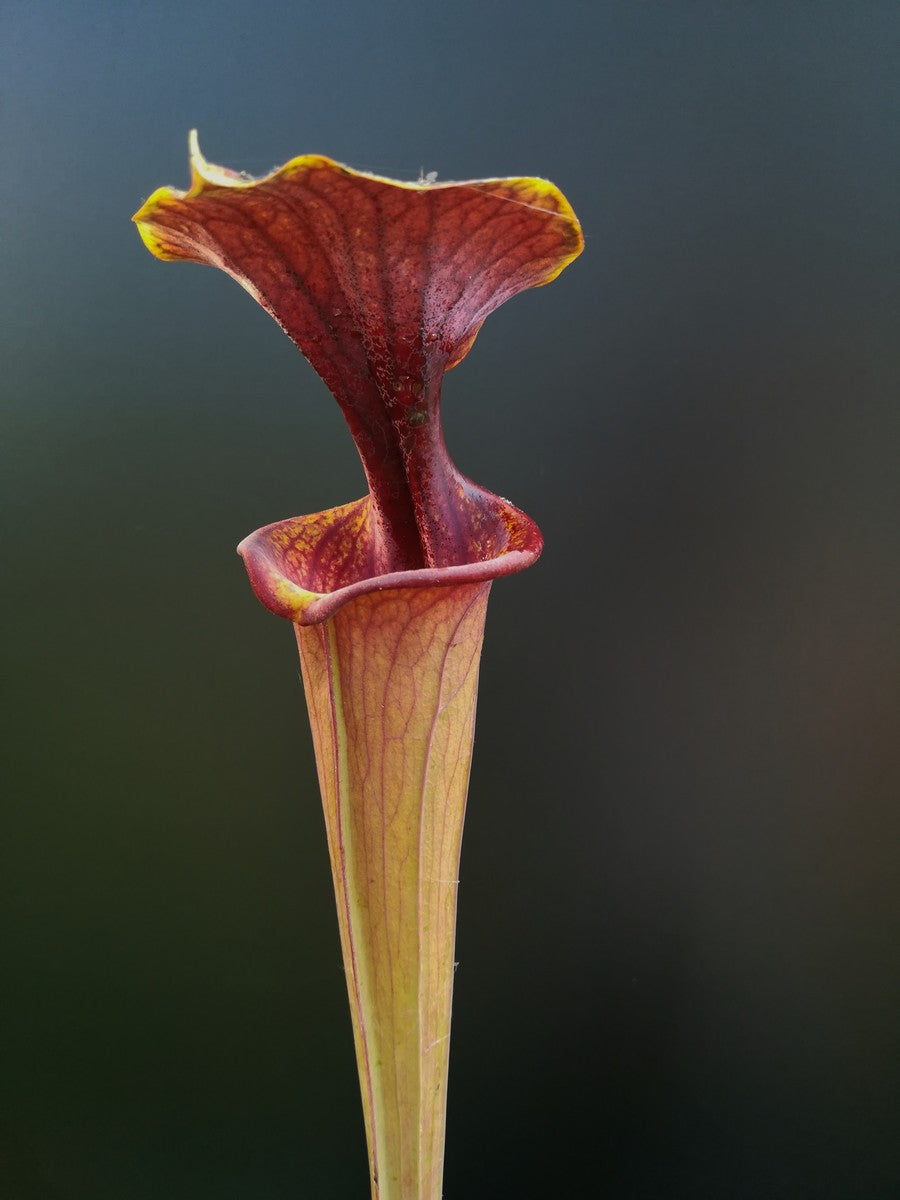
383	287
391	682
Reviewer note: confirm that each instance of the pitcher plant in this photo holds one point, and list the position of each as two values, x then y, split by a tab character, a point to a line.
383	286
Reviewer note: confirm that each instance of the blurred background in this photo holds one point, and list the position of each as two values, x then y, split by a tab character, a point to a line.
679	973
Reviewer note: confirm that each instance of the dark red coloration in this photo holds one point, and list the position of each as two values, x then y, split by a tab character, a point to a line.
330	555
383	287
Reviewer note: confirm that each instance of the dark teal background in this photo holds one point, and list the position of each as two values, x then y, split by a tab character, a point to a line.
679	906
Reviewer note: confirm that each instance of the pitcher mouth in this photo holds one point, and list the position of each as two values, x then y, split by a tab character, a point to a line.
306	568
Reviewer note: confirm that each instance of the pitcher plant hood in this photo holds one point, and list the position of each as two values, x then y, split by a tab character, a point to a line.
383	286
